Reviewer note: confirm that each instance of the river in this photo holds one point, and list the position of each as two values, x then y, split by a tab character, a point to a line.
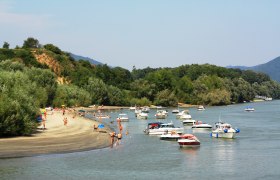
254	154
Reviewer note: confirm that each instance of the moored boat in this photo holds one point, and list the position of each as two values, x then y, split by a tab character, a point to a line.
249	109
161	114
199	125
188	140
224	130
123	117
173	136
142	115
200	108
159	128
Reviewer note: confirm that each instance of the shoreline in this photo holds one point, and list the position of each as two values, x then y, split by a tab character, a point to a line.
57	138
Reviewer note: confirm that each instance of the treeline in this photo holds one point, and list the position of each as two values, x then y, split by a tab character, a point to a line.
34	76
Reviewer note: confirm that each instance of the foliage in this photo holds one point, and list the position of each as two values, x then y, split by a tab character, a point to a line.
53	48
6	45
18	104
30	43
71	95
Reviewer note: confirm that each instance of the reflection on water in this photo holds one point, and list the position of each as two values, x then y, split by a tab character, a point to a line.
140	156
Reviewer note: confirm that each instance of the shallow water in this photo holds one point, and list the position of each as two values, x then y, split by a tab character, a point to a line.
254	154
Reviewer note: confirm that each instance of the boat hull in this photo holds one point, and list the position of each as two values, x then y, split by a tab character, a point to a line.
188	143
229	135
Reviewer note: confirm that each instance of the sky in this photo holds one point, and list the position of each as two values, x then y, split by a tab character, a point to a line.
149	33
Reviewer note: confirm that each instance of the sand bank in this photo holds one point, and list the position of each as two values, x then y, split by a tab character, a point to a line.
78	135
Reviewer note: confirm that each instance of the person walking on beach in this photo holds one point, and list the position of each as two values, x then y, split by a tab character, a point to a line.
65	121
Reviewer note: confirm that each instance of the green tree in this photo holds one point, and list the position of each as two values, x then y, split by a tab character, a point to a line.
18	104
98	91
31	43
166	98
6	45
53	48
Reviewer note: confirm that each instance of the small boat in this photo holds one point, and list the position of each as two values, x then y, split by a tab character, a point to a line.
188	140
199	125
159	128
189	122
173	136
224	130
123	117
249	109
132	108
142	115
178	115
200	108
137	111
161	114
145	109
101	116
175	111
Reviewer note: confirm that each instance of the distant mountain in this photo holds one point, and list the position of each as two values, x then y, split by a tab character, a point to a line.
78	57
272	68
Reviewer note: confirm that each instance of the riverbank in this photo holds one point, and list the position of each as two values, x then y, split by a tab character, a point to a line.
77	135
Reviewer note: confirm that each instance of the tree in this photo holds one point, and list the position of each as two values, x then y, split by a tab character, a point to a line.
6	45
31	43
53	48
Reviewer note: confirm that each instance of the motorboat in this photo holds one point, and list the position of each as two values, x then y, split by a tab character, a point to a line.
200	108
132	108
189	122
142	115
224	130
161	114
188	140
145	109
159	128
137	111
175	111
199	125
249	109
123	117
184	115
101	116
173	136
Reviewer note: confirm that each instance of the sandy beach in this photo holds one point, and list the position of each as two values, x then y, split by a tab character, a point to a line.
78	135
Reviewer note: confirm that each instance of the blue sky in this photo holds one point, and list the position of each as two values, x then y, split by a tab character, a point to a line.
154	33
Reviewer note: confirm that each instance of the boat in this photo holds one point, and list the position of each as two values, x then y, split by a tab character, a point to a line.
161	114
200	108
188	140
101	116
142	115
132	108
249	109
175	111
199	125
137	111
183	115
189	122
123	117
224	130
159	128
145	109
173	136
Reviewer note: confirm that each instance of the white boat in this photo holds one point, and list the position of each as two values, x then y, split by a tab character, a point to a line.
159	128
161	114
188	140
199	125
101	116
175	111
132	108
249	109
142	115
200	108
137	111
224	130
189	122
183	115
145	109
123	117
173	136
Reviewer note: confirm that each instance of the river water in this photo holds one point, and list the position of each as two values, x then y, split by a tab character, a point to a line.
254	154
